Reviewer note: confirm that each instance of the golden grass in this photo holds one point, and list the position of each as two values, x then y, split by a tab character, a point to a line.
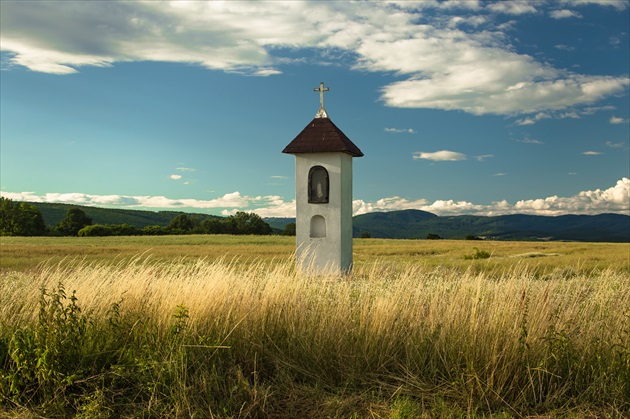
497	340
24	253
376	296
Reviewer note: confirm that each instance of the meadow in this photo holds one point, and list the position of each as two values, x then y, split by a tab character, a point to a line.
225	326
26	253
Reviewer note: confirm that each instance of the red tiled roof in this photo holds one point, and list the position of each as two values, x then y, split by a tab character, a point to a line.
322	135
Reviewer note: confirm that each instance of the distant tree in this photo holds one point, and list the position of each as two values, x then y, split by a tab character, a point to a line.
32	220
95	230
248	223
108	230
182	224
154	230
228	225
366	235
74	221
20	219
125	230
210	226
473	237
433	236
289	230
7	216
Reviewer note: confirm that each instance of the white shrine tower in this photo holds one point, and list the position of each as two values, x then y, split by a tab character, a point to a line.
323	193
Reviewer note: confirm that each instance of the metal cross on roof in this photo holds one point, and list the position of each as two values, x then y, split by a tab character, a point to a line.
321	89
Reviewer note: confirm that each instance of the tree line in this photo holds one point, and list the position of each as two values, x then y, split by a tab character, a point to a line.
23	219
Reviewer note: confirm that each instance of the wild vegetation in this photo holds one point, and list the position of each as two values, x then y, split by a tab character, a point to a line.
173	336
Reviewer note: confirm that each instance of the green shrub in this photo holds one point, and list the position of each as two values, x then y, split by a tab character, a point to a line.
479	254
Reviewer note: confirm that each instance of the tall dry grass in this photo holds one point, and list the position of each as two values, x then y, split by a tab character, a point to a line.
267	340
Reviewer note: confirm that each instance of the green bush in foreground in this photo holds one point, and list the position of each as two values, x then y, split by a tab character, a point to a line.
213	339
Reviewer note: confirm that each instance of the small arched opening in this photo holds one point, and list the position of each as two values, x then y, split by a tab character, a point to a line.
318	185
318	226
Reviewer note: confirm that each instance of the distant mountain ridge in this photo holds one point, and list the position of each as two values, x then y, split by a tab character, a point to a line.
405	224
417	224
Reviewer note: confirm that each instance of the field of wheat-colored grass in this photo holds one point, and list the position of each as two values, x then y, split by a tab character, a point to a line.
23	253
216	337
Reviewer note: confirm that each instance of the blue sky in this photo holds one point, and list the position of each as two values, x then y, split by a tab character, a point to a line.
461	107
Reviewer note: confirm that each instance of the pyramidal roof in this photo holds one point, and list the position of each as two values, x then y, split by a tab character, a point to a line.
321	135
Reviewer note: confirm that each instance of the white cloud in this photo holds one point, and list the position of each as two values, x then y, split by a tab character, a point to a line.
279	177
592	153
570	113
439	207
476	70
615	145
617	120
175	177
526	121
615	199
532	120
512	7
528	140
612	200
59	37
484	156
264	72
590	110
564	14
186	169
469	20
231	200
617	4
490	87
442	155
278	209
400	130
394	203
563	47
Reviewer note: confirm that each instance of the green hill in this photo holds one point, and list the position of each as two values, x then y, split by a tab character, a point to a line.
416	224
413	224
53	213
278	223
406	224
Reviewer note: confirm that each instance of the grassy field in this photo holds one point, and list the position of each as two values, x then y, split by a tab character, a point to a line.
24	253
225	326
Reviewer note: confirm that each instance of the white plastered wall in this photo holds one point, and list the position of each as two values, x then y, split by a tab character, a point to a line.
334	251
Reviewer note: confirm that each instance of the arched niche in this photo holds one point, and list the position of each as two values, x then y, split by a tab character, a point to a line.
318	226
318	185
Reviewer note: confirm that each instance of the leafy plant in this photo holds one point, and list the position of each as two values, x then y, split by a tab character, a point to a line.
74	221
479	254
45	359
